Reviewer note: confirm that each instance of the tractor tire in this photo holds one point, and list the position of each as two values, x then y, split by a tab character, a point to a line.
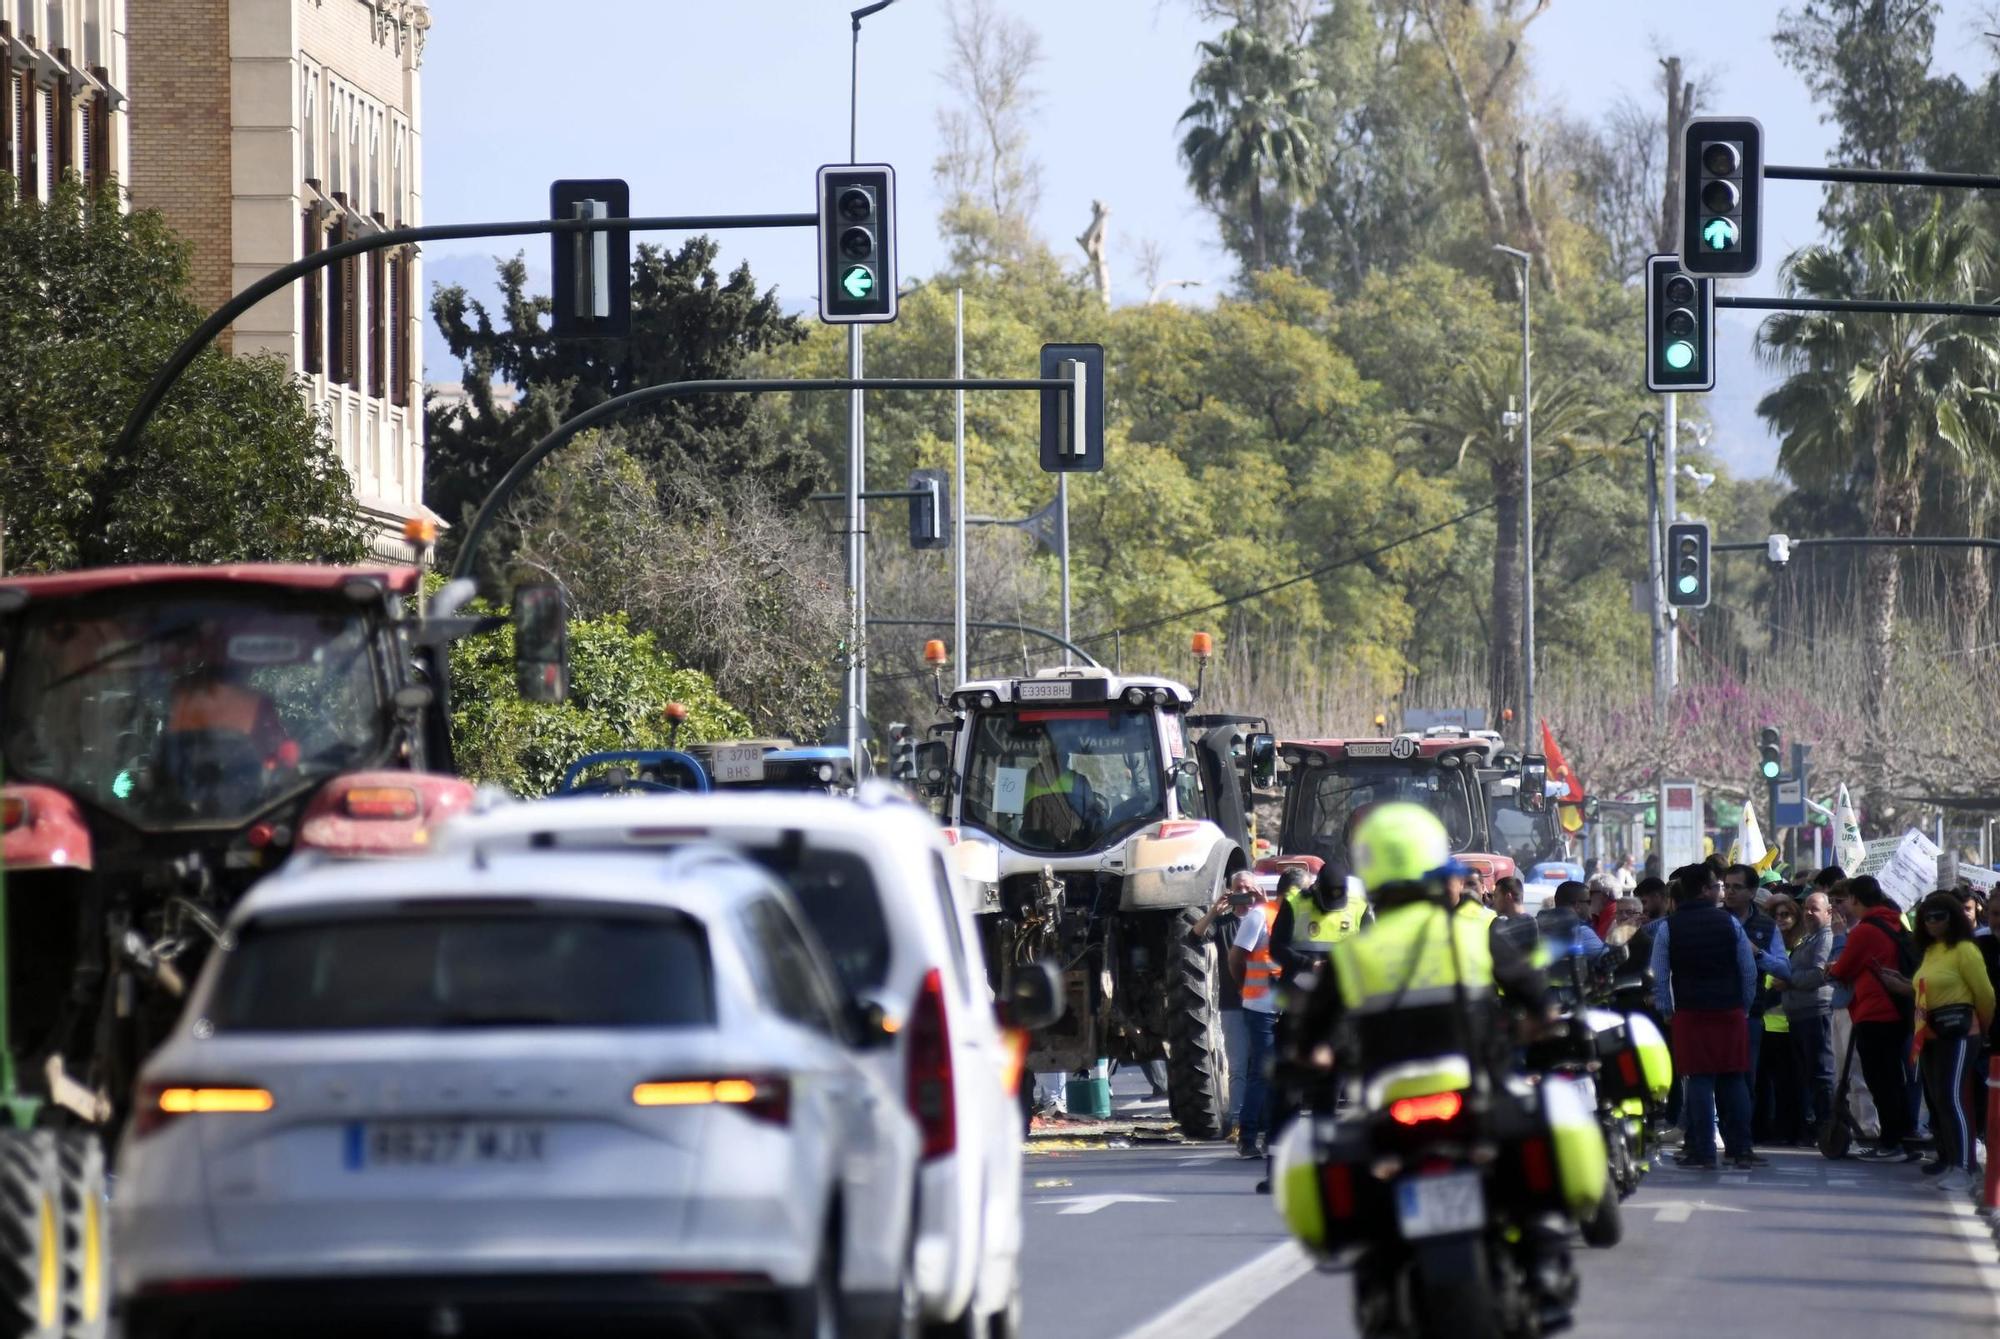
31	1255
1197	1061
86	1235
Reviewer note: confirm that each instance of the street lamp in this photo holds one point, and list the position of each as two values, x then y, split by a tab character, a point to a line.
1527	507
1702	482
1165	284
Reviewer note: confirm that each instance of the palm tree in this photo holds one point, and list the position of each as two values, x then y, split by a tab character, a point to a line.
1467	420
1875	395
1250	128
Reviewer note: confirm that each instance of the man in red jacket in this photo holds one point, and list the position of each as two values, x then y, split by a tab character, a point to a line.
1881	1031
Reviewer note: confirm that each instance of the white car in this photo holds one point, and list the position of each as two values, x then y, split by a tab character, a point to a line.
538	1092
871	874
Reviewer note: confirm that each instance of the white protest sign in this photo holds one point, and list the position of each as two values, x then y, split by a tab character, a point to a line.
1907	870
1010	790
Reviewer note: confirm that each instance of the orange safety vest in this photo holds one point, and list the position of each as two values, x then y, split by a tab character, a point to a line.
1260	973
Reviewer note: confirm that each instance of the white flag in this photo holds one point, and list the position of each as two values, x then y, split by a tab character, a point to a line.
1750	847
1848	848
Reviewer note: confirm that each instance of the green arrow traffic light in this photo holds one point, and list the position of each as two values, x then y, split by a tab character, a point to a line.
857	281
1718	234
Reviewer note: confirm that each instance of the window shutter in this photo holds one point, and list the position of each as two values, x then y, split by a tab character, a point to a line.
315	342
378	324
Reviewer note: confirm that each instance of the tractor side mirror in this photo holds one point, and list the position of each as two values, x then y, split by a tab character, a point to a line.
1034	997
1262	752
934	766
541	643
1533	795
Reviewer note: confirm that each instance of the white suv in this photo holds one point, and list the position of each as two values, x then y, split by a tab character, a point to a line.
872	875
468	1094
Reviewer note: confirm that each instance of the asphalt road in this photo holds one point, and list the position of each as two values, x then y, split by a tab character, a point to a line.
1154	1241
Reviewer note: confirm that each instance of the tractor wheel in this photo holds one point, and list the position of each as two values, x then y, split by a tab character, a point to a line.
86	1236
1197	1061
31	1254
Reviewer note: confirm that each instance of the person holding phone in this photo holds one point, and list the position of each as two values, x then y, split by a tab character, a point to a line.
1256	973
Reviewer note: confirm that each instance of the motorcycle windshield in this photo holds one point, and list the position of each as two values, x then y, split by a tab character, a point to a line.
1335	797
195	707
1063	779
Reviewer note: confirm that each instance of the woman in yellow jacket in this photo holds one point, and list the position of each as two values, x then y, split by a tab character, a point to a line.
1954	1009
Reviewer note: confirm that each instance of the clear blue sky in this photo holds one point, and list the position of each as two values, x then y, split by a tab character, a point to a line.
730	105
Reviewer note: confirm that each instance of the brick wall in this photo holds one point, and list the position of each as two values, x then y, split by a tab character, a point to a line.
178	56
341	34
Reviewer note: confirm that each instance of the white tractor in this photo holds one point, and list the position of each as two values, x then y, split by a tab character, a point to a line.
1095	821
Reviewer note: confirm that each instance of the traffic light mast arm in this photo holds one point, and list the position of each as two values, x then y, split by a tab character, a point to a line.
1884	306
285	275
1867	541
605	410
1875	176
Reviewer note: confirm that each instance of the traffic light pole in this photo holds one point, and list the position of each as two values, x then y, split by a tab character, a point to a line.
286	275
1670	419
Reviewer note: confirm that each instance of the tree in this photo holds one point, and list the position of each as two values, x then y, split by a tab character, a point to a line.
1251	124
620	685
991	186
687	323
1881	393
233	468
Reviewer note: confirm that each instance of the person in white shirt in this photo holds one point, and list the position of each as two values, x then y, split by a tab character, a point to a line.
1256	973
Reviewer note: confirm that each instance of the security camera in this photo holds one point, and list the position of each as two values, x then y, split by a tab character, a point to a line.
1778	550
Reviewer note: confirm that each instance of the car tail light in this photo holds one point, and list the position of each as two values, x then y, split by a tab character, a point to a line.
1336	1180
929	1078
1177	828
766	1098
1417	1110
13	812
162	1103
380	802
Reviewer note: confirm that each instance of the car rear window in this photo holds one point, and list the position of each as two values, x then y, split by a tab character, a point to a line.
530	968
837	892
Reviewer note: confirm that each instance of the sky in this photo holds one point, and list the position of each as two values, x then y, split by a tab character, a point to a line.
714	106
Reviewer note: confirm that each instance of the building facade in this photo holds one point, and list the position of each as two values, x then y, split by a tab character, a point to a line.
266	130
62	92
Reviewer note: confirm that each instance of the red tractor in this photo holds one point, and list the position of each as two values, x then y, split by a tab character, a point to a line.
169	734
1329	783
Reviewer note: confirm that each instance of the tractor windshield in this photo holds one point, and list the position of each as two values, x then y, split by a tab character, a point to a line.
171	708
1063	779
1329	800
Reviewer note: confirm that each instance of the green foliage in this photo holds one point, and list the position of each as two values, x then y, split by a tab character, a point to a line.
233	468
620	684
1250	126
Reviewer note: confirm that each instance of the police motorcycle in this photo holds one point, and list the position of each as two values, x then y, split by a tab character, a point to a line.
1449	1186
1618	1058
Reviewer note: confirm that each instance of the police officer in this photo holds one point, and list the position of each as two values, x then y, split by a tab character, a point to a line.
1313	918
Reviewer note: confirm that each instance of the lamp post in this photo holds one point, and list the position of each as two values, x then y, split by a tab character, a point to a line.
1165	284
1526	262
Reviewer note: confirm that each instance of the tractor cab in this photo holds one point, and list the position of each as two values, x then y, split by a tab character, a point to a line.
1331	783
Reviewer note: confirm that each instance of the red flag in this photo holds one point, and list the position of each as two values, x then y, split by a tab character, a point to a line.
1559	768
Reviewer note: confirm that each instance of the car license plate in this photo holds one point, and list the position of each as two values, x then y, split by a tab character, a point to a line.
1434	1206
378	1144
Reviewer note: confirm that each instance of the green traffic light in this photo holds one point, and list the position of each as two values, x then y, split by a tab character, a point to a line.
857	281
1690	583
1770	769
122	785
1718	234
1679	355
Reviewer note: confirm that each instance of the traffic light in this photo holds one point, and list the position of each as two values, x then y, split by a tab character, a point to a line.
1680	328
857	243
902	752
1770	761
930	509
1722	195
1073	417
592	271
1687	564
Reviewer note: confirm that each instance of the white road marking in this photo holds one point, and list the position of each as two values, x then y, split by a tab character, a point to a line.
1206	1157
1224	1303
1979	1242
1092	1203
1679	1211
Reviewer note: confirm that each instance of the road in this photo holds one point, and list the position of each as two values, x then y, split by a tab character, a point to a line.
1154	1241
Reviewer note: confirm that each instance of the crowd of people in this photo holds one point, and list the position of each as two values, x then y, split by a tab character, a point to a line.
1817	1010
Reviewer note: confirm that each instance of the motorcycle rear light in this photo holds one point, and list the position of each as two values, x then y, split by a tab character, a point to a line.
1628	1068
1336	1182
13	812
380	802
160	1104
765	1099
1536	1167
1172	829
1417	1110
929	1080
